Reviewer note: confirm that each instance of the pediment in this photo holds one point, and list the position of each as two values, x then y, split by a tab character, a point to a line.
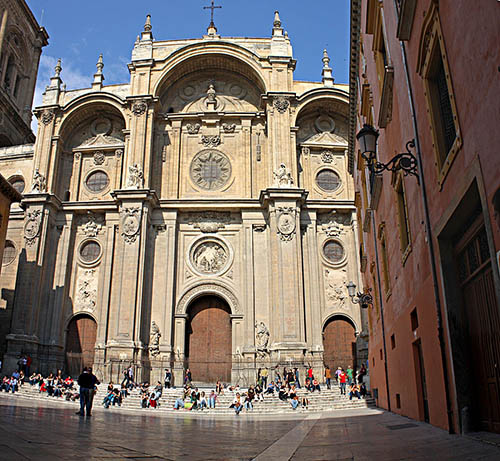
325	139
101	141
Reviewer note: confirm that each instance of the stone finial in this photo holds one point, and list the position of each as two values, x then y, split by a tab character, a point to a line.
277	20
55	81
326	73
58	68
146	34
98	76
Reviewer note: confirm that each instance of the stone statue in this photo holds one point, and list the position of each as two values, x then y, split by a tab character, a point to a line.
135	177
282	176
211	97
261	339
39	183
154	339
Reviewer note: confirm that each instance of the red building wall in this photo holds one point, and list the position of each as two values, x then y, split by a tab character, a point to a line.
471	44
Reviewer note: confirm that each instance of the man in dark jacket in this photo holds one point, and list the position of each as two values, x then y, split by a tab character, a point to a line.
86	384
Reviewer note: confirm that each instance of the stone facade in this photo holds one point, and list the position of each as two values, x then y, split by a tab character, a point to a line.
211	173
21	42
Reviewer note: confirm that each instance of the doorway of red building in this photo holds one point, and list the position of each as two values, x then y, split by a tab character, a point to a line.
339	343
208	340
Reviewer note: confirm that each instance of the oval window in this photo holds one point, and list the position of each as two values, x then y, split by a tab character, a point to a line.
328	180
9	252
333	251
97	181
90	251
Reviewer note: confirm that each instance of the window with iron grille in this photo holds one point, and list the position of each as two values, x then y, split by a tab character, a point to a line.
9	252
97	181
90	251
333	251
328	180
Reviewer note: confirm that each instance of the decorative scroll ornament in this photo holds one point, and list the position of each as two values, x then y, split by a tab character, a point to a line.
281	104
229	128
327	156
86	297
262	339
210	141
193	128
135	178
99	158
39	184
283	177
139	108
92	224
154	339
286	226
332	229
32	226
130	223
209	221
47	117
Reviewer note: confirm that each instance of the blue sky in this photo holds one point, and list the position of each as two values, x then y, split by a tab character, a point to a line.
80	30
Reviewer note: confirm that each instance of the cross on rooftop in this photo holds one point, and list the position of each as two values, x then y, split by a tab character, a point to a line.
212	7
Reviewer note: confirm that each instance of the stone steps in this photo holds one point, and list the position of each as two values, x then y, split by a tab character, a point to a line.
326	400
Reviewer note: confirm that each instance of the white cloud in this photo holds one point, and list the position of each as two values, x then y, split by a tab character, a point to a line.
70	75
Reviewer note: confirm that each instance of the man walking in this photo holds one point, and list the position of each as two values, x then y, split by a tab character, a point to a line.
168	378
85	382
342	381
328	376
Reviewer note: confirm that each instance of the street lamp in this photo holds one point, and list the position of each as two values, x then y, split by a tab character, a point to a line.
405	161
364	299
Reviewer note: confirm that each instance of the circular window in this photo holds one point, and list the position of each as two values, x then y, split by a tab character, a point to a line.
333	251
9	252
18	184
210	169
90	251
97	181
328	180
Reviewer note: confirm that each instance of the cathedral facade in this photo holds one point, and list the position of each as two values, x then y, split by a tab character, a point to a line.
199	216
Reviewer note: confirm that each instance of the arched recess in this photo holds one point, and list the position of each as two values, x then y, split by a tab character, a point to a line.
81	334
208	347
206	288
90	138
339	342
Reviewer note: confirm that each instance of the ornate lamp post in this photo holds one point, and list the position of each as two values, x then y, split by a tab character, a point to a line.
363	299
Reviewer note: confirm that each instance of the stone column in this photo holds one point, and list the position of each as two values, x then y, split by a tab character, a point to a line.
179	348
287	298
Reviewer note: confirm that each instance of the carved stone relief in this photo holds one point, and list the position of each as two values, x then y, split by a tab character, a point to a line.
193	128
99	158
32	226
47	117
229	127
130	223
210	169
139	108
327	156
335	288
91	224
208	288
210	141
135	178
154	339
286	222
262	339
209	257
281	104
39	184
209	221
86	290
282	176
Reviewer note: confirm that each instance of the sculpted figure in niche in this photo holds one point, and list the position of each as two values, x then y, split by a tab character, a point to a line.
282	176
154	339
261	339
39	183
335	288
135	177
210	257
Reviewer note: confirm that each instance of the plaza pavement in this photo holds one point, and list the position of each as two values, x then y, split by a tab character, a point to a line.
46	430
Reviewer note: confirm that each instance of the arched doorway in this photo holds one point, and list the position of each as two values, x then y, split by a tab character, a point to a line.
339	343
80	343
209	340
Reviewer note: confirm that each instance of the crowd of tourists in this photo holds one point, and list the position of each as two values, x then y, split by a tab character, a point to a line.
284	384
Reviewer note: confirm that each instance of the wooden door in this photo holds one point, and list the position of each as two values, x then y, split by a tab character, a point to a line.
209	340
483	325
339	343
80	344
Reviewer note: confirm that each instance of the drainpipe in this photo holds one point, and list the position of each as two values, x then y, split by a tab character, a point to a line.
381	302
435	283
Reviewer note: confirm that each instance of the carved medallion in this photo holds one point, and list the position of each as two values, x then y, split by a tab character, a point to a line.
131	223
286	223
209	256
210	169
327	156
47	117
281	104
99	158
139	108
32	226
